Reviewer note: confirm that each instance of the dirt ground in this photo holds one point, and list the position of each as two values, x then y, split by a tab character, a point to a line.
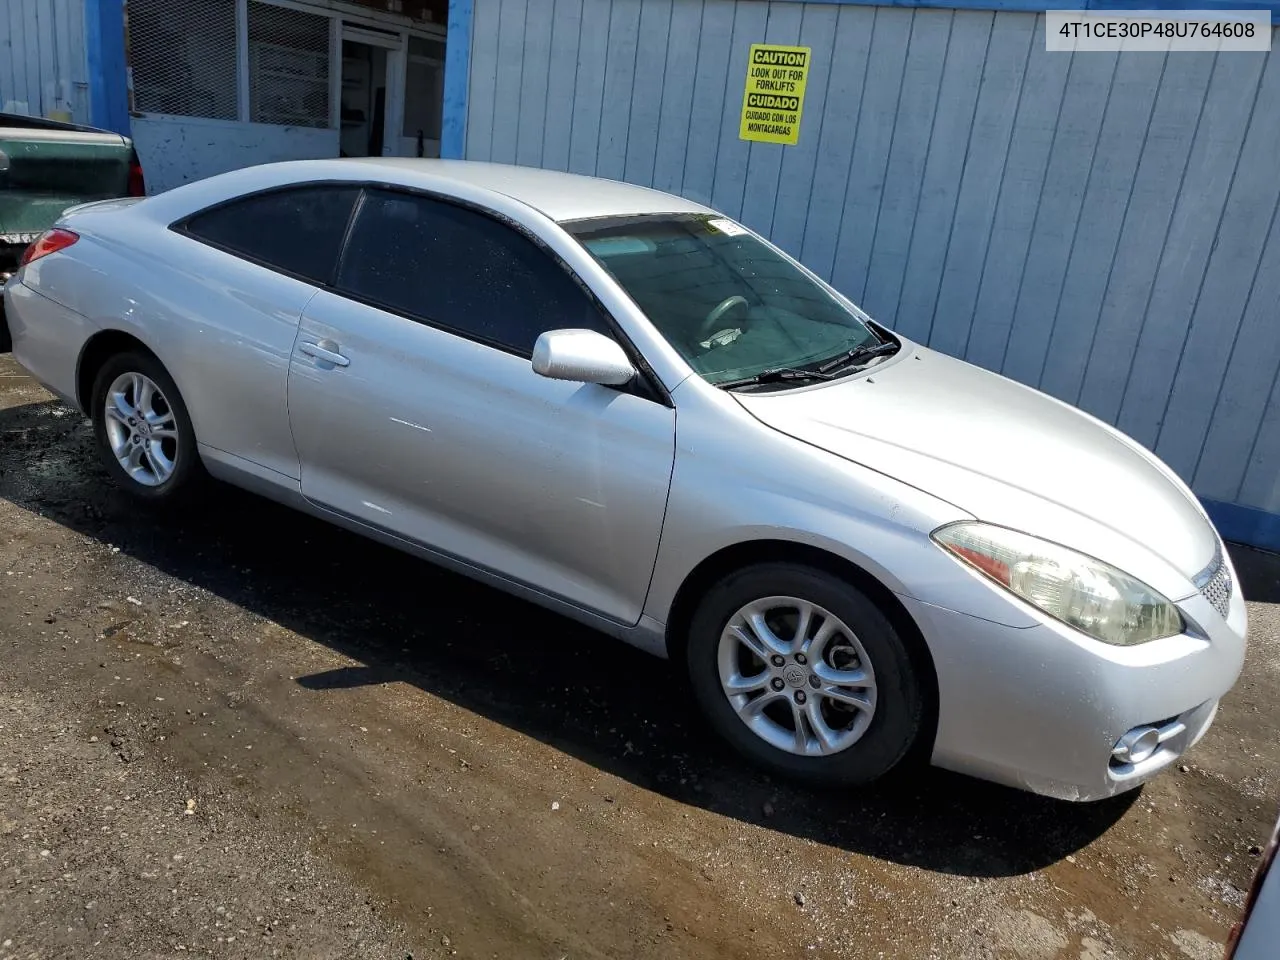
241	733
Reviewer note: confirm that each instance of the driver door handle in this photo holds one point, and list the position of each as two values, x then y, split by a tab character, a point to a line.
326	351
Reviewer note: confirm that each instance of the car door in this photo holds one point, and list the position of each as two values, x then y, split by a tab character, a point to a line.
258	260
416	410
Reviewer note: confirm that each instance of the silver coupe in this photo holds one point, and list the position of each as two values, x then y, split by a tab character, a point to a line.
638	412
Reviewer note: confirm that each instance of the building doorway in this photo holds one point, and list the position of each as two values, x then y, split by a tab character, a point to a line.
372	100
423	98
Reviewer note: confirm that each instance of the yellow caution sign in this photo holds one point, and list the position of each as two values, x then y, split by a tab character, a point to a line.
774	97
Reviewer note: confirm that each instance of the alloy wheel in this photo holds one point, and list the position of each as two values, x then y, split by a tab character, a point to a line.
141	429
797	676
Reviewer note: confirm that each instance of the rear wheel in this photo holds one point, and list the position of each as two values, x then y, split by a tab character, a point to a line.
804	675
143	431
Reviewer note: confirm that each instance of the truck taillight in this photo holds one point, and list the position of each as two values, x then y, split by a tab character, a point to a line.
51	241
137	185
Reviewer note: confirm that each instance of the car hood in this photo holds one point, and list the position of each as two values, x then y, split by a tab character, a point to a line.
1006	454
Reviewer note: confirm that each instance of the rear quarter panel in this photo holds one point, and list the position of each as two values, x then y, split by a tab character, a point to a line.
46	338
222	327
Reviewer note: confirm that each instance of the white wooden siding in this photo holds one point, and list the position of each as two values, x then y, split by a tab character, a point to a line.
1101	227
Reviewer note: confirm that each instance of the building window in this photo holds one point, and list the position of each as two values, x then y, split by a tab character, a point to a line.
184	65
288	66
271	62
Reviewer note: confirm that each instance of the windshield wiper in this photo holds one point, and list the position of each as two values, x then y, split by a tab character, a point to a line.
859	354
775	375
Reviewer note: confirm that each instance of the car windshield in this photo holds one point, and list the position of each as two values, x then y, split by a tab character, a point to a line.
729	304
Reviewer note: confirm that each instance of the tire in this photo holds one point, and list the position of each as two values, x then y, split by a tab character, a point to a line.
870	742
6	341
150	482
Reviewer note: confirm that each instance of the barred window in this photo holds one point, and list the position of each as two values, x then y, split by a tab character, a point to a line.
288	66
184	65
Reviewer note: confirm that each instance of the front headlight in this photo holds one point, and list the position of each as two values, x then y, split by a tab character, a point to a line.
1092	596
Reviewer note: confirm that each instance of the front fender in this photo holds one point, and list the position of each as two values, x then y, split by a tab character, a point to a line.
737	481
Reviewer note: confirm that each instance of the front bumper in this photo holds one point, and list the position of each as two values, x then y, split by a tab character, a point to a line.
1042	707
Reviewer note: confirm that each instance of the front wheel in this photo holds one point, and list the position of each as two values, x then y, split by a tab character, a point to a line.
804	675
142	428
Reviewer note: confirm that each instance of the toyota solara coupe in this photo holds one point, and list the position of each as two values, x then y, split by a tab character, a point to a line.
634	410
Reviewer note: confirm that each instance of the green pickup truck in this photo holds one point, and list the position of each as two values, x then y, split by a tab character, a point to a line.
46	167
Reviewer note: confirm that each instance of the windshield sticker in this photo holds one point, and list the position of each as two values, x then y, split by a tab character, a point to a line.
727	227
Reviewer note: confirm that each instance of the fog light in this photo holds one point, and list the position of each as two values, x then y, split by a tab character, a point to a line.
1137	745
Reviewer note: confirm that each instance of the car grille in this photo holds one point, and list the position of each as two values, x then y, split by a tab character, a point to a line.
1215	585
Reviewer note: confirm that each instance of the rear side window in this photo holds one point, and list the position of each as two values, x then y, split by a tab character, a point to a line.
459	269
297	231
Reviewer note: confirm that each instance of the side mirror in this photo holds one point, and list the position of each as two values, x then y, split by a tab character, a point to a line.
583	356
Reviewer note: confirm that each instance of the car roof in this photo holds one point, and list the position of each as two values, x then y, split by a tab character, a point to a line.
560	196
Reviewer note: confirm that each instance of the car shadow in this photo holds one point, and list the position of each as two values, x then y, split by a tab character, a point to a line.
1259	573
531	670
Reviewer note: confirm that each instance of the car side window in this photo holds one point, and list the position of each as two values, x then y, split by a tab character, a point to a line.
297	231
461	270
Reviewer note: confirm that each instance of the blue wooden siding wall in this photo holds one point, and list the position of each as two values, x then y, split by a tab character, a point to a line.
1101	227
42	57
108	72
